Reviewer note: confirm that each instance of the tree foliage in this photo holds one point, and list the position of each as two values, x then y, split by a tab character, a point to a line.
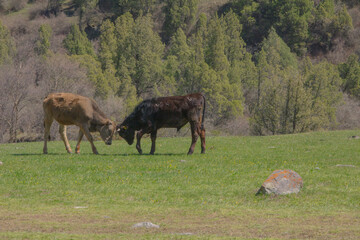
178	14
43	43
7	46
292	98
77	43
302	24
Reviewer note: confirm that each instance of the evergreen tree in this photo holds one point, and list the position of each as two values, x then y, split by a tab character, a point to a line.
282	100
136	7
324	83
327	24
226	98
242	70
140	50
77	43
125	60
107	53
94	74
277	52
178	14
350	74
293	21
215	51
148	51
7	46
125	52
179	55
43	43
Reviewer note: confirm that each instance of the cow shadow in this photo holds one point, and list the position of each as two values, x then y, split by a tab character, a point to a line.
36	154
100	154
144	154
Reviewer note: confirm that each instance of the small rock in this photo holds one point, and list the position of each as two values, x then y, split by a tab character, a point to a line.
355	137
317	168
1	163
282	182
182	160
145	225
80	207
344	165
185	234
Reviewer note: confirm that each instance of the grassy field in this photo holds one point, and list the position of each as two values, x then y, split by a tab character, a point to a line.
211	196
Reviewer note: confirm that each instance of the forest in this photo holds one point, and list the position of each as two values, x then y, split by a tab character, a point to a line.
265	66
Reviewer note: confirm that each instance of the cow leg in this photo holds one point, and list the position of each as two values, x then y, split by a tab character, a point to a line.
201	132
80	136
138	138
194	137
47	126
62	131
153	139
85	130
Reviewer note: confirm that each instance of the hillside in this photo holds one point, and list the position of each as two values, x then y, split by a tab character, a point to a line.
266	67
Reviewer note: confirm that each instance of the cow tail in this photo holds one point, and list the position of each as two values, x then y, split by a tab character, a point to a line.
203	115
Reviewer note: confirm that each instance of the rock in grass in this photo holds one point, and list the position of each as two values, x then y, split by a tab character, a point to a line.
344	165
1	163
282	182
145	225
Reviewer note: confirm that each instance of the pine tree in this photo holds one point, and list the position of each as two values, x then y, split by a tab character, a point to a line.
43	43
94	74
277	52
283	101
350	73
215	52
226	99
77	43
148	51
178	14
293	23
7	46
140	50
125	52
107	53
324	84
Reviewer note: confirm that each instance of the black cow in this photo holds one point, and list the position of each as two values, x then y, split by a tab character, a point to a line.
165	112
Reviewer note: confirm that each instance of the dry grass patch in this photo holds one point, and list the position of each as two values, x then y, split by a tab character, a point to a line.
250	224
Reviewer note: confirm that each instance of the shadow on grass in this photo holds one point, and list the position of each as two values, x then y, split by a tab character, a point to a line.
35	154
144	154
100	154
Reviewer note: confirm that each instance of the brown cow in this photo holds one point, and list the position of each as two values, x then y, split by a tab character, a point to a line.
71	109
166	112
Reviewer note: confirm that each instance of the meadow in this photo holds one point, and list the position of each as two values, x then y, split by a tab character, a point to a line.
203	196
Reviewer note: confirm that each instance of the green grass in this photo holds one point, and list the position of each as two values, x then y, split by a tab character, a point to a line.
209	195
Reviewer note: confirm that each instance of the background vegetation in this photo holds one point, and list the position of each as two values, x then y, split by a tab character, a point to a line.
266	67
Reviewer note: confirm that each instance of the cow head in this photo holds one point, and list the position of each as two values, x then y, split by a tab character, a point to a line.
126	132
107	132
